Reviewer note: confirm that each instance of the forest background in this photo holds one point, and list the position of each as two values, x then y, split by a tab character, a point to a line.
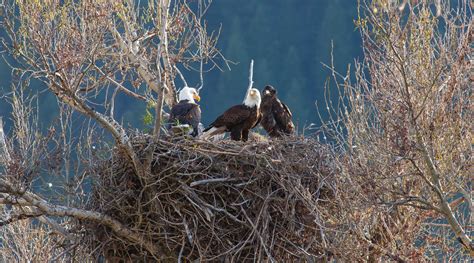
288	41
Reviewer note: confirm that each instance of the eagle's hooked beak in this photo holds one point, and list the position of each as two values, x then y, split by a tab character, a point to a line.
267	92
252	93
196	97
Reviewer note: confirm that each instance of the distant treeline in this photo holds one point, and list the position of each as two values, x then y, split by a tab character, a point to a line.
288	41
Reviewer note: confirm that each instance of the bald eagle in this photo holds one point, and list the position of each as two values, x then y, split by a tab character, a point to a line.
186	112
276	116
238	120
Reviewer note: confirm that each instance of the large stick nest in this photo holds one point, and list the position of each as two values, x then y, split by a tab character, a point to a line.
260	200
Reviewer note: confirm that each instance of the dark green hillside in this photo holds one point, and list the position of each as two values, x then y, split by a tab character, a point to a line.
287	39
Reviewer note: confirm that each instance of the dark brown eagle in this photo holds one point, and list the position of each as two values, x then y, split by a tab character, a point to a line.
276	116
238	120
186	112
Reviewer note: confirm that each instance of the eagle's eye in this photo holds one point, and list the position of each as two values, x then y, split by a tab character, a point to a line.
196	96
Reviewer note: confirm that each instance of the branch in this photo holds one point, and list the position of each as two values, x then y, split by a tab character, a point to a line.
397	258
206	181
65	95
445	207
80	214
4	153
466	196
181	76
20	202
163	53
17	217
142	68
200	51
121	87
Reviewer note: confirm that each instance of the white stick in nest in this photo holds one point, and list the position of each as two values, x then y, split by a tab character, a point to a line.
250	79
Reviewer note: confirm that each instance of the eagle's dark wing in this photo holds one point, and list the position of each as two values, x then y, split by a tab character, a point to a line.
258	120
233	116
186	113
286	109
267	121
194	117
282	115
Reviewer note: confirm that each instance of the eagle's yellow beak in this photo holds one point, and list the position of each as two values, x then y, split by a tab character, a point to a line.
196	97
252	93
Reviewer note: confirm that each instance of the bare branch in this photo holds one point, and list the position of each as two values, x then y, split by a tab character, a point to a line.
4	152
58	210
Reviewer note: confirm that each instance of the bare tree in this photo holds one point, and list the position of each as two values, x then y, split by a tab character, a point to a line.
405	126
396	186
88	52
85	53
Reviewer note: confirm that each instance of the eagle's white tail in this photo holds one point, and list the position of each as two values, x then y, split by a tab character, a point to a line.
212	133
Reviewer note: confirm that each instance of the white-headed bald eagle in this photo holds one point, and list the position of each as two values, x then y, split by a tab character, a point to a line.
238	120
186	112
276	116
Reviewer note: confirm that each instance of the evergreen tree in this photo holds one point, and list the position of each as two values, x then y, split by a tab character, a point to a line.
287	39
293	89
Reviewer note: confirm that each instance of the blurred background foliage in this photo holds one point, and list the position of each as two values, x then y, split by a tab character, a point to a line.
287	39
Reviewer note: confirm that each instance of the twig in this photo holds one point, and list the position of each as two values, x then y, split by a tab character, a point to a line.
4	153
181	76
121	87
214	180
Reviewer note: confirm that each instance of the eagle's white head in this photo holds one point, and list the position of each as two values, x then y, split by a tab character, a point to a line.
253	98
189	94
